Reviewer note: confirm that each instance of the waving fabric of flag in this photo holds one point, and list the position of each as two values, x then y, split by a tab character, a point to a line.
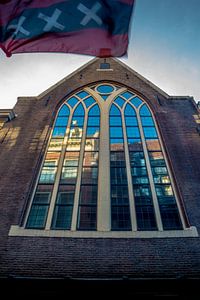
93	27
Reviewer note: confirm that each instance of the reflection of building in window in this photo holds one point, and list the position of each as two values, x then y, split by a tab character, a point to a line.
142	194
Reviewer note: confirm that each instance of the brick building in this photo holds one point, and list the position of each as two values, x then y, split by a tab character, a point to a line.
99	182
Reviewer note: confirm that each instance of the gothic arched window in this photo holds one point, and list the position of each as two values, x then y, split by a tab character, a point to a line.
105	168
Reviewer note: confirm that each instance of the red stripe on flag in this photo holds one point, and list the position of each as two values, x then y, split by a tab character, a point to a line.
89	41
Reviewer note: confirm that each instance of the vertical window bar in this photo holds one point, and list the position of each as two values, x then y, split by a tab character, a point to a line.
153	191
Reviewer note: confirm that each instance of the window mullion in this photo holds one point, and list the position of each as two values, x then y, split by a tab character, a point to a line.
129	177
154	197
57	178
78	182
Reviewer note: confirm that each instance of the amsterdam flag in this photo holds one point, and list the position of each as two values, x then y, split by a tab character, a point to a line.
93	27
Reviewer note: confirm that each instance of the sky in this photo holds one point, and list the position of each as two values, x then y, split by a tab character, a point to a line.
164	47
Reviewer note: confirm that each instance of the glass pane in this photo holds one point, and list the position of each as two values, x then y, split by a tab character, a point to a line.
89	175
114	111
89	101
119	101
120	218
73	144
147	121
136	102
116	144
77	121
66	195
69	175
116	132
82	94
164	190
170	217
61	121
119	195
79	111
88	194
62	217
140	180
48	174
105	89
153	145
71	159
127	95
72	101
92	132
93	121
159	171
144	111
92	145
133	132
138	171
145	218
76	132
64	111
59	132
87	218
150	132
115	121
135	145
129	111
156	159
37	216
117	159
94	111
161	179
142	191
51	159
41	198
55	145
131	121
90	159
137	159
118	175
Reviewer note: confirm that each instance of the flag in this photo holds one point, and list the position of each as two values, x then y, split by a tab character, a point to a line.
92	27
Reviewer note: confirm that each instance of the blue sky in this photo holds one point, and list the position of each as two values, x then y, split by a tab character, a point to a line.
164	47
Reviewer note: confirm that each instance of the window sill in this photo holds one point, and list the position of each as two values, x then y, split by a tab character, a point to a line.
20	231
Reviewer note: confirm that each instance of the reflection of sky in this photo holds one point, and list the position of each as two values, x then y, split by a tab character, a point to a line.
164	47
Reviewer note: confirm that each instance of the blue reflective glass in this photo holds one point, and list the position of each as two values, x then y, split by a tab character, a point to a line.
105	89
79	111
114	111
72	101
104	97
131	121
82	94
58	132
93	121
144	111
150	132
93	132
61	121
133	132
89	101
77	121
127	95
116	144
129	110
116	132
115	121
136	101
64	111
147	121
119	101
94	111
